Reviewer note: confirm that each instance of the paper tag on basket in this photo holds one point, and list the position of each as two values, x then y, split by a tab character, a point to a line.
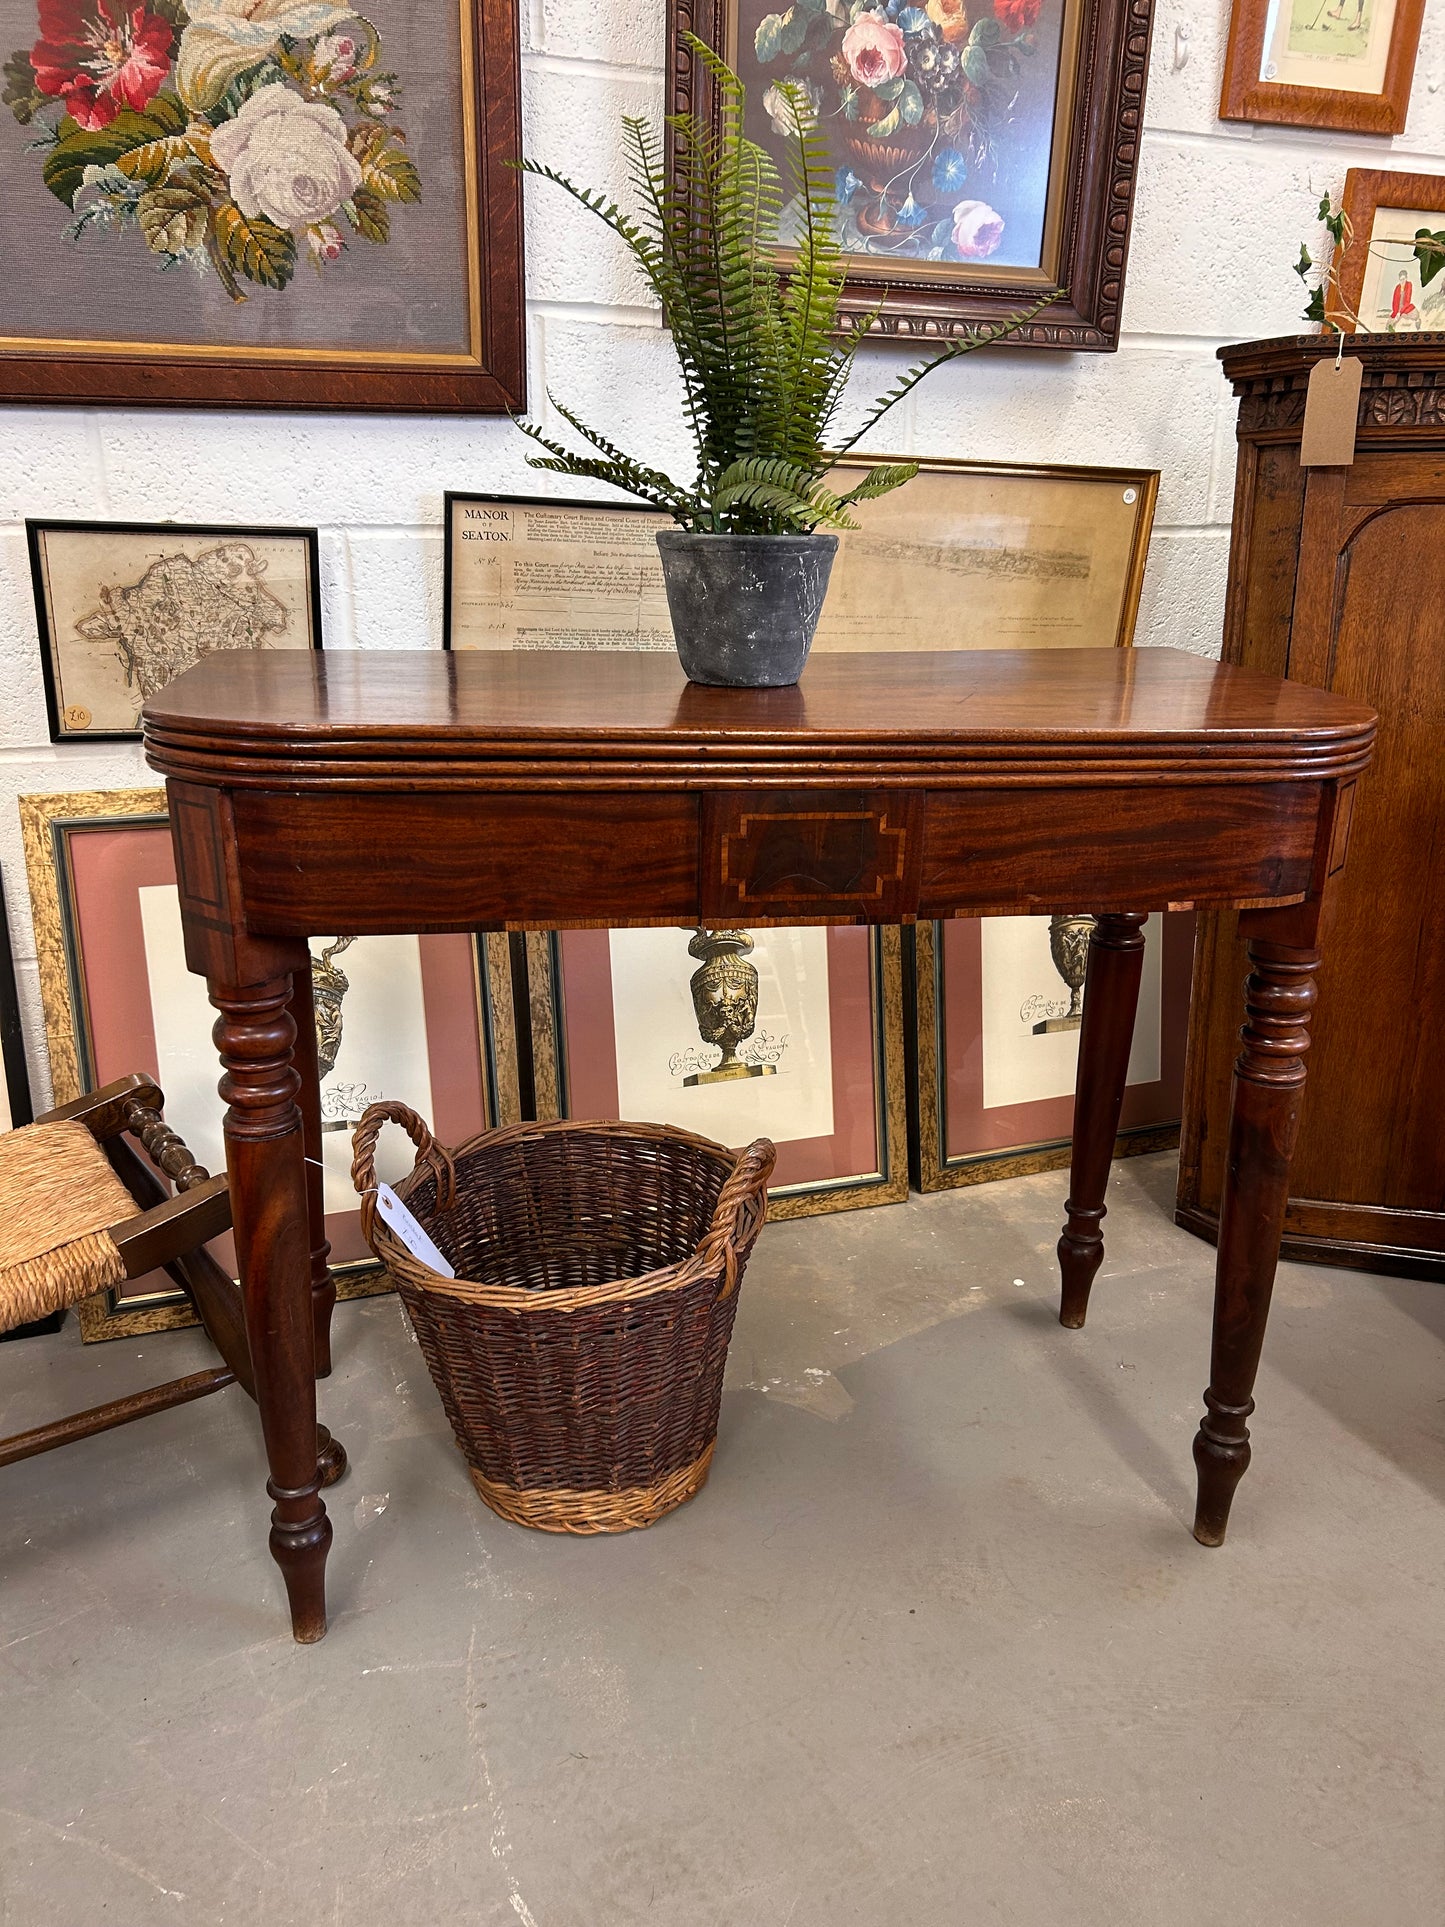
409	1231
1332	403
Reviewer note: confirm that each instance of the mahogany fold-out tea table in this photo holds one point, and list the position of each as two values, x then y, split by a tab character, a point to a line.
414	792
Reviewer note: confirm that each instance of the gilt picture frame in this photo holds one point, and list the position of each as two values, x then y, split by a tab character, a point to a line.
396	1016
1345	65
985	157
123	608
306	206
16	1106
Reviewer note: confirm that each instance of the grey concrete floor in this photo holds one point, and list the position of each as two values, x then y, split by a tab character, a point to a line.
934	1646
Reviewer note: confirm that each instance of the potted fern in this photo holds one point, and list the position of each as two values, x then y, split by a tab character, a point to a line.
764	366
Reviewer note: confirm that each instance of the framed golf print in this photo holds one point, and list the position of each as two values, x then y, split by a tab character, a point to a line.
1344	64
1387	278
396	1016
125	608
262	203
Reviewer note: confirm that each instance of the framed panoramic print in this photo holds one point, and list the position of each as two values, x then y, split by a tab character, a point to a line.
1379	284
792	1034
997	1003
262	203
1037	557
123	609
396	1016
1344	64
985	155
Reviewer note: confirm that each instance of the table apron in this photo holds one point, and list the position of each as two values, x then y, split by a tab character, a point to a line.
311	861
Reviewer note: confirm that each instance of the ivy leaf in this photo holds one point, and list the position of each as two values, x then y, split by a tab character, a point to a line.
63	169
21	95
1315	311
255	248
367	213
173	219
1305	262
910	105
768	40
1430	253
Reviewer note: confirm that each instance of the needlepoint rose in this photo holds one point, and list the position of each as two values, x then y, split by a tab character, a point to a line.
873	49
98	56
977	230
287	158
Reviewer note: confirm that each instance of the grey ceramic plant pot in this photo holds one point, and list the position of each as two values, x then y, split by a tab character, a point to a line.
744	607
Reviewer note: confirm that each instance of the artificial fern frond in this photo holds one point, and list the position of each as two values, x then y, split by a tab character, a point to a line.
615	468
881	480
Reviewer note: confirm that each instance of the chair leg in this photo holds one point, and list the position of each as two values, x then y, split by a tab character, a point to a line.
120	1411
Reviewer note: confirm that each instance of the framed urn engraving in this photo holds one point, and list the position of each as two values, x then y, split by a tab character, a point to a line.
396	1016
998	1003
262	203
123	609
792	1034
984	154
15	1104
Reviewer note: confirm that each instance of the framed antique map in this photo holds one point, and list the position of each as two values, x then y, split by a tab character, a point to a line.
123	609
792	1034
262	203
396	1016
968	555
984	154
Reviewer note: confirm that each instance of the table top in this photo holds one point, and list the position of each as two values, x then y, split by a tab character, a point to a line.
375	719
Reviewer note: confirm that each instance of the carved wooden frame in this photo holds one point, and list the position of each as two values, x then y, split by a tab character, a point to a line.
1245	96
1111	65
488	378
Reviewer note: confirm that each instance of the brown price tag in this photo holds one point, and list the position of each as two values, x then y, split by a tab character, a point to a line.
1332	403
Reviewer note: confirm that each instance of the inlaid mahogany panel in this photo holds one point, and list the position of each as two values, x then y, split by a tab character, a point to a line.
801	853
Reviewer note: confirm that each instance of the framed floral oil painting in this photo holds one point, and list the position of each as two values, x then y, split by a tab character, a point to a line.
1344	64
984	154
395	1016
124	610
274	203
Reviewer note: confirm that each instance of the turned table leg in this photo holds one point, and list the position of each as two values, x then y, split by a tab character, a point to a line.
255	1035
1111	997
323	1285
1269	1077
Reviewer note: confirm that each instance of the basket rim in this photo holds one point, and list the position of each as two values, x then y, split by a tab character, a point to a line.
746	1171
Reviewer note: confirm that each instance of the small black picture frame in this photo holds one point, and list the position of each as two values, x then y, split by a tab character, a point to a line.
16	1103
227	592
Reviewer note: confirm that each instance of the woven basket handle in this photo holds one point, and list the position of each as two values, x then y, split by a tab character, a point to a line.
741	1207
429	1154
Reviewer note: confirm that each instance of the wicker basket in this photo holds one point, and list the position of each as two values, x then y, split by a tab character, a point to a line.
579	1351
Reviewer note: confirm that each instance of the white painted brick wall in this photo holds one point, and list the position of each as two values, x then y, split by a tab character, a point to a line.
1219	215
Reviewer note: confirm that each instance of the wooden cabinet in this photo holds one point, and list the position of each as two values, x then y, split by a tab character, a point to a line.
1337	578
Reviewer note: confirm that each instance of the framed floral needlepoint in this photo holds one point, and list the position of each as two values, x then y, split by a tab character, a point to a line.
275	203
985	150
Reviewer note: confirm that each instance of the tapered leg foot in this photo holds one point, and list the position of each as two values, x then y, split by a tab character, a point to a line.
300	1551
1111	997
1269	1077
330	1456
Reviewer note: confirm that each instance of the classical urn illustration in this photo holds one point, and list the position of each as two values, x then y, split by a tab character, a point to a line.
329	984
725	999
1069	948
